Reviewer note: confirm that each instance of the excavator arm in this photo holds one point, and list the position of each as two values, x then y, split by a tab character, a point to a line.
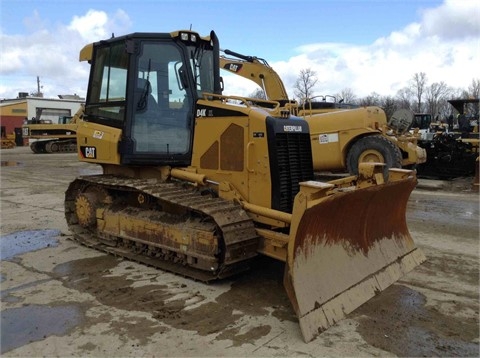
257	70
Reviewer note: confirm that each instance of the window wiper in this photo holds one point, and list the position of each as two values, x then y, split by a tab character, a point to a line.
143	101
197	57
147	89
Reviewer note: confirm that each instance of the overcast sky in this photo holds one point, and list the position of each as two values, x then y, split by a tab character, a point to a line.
367	46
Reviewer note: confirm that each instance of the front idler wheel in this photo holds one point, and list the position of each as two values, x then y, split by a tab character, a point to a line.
85	209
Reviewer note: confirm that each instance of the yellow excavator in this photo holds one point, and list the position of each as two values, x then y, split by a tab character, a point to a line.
342	136
199	183
53	137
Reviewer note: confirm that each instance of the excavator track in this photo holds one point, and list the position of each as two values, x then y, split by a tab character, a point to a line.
168	225
54	146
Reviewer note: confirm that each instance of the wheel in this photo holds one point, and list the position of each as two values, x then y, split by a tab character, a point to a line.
374	148
51	147
35	147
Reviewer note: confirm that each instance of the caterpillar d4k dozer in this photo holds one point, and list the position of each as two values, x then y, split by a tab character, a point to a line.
199	183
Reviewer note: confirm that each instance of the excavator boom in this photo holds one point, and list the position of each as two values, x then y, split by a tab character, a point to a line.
257	70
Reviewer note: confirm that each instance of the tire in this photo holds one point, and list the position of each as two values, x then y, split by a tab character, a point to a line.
374	148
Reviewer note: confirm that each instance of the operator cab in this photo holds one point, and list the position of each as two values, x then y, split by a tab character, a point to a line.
147	85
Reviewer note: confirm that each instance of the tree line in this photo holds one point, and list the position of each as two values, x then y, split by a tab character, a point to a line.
418	96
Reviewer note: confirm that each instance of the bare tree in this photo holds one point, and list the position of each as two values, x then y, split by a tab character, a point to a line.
258	93
347	96
389	105
303	87
373	99
404	97
436	96
417	85
474	88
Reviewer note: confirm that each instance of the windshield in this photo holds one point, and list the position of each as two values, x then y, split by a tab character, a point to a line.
109	84
163	105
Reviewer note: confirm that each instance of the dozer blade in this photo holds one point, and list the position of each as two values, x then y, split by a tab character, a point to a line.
348	247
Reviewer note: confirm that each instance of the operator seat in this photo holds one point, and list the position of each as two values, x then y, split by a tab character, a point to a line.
144	101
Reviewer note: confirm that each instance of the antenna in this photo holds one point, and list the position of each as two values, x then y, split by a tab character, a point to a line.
190	27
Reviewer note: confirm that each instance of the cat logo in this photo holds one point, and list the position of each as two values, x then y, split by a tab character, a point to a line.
233	67
89	152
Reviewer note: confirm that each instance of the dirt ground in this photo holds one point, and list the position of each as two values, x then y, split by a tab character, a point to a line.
62	299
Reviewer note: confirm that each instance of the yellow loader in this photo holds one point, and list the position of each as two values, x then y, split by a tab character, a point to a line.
199	183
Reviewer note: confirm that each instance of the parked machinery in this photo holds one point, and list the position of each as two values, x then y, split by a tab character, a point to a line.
342	135
8	140
52	137
452	146
199	185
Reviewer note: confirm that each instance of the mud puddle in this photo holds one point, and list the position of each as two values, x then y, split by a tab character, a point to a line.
259	292
397	321
22	325
25	241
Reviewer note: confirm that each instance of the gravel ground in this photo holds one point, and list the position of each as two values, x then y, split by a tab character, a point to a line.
62	299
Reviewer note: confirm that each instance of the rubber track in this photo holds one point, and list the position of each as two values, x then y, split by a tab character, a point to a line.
237	227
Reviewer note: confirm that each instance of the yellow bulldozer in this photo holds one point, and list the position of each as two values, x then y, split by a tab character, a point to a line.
342	135
200	184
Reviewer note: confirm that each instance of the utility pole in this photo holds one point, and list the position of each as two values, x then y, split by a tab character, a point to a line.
39	93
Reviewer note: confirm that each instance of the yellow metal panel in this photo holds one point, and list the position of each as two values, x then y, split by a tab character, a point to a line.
86	53
14	109
101	142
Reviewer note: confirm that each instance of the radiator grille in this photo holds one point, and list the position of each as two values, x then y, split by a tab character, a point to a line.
294	165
